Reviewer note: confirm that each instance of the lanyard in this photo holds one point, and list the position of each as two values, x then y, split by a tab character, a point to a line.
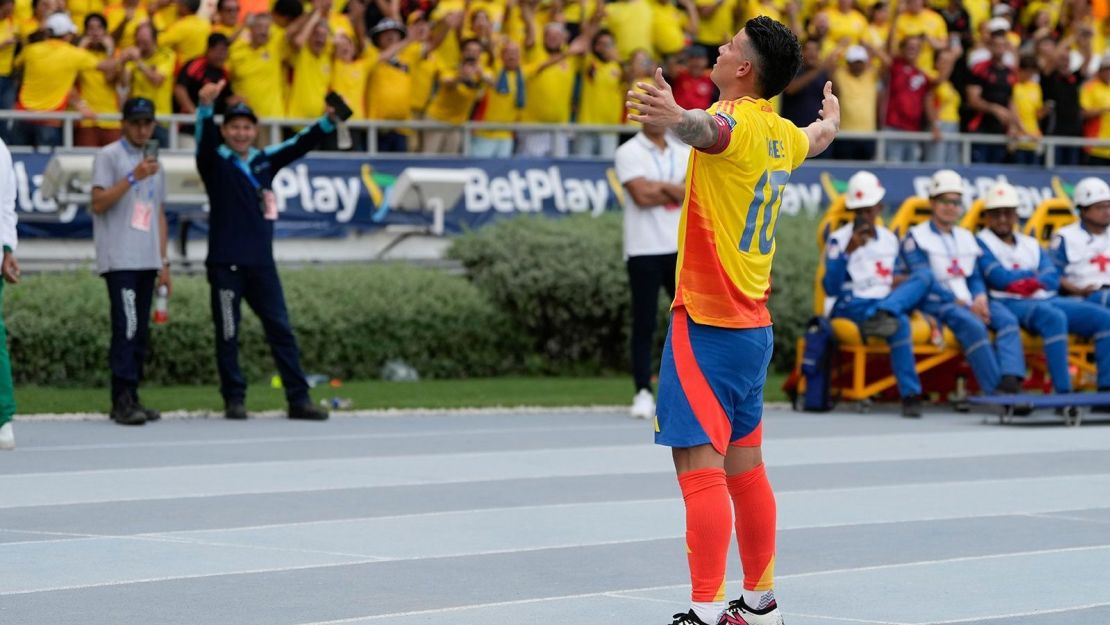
667	176
954	248
243	167
146	185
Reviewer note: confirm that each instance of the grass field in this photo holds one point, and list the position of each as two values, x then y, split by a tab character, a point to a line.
476	393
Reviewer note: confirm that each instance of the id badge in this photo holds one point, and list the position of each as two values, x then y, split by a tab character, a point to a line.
141	213
269	205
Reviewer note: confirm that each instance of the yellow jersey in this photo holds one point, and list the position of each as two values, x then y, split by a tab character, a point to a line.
1095	94
162	61
667	29
79	9
349	80
99	94
115	15
164	17
390	84
626	20
1028	101
9	31
311	78
717	28
50	69
453	103
257	75
851	25
187	37
502	103
726	237
948	102
548	92
859	99
603	90
24	9
927	23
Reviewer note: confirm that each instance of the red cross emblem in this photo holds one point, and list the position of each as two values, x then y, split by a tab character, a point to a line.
957	271
882	271
1101	261
1017	266
859	195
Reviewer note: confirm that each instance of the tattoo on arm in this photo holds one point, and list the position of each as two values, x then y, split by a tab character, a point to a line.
697	129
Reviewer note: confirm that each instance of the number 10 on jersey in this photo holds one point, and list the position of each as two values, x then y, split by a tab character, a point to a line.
768	205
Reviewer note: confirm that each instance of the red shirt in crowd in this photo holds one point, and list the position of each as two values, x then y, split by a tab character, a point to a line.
905	109
693	92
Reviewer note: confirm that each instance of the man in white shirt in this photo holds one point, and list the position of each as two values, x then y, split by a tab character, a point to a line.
860	260
1081	251
652	168
10	269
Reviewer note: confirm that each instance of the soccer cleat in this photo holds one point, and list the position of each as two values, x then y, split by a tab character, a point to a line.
911	407
738	613
688	618
235	410
643	405
7	436
882	324
307	412
126	412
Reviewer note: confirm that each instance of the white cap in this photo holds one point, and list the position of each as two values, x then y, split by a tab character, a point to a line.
856	54
864	190
1091	191
998	23
1001	195
59	24
946	181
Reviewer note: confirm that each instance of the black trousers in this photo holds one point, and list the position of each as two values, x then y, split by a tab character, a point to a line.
129	296
261	288
646	274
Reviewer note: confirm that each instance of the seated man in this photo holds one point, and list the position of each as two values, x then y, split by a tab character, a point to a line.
1081	251
958	297
859	273
1024	280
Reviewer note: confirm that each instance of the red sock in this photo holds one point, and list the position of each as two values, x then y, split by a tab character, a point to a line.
754	504
707	531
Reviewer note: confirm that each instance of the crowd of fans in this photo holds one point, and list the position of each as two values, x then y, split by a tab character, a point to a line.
1021	69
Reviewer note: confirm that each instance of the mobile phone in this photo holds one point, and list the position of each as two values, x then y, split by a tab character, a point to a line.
863	225
150	150
336	101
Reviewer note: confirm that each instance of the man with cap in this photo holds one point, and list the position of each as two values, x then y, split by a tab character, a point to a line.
10	270
129	230
860	274
1024	279
243	209
1081	250
958	297
857	86
1094	104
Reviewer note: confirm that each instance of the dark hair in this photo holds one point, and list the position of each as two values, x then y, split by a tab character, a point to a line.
153	31
220	4
469	40
777	54
291	9
1028	61
218	39
91	17
192	5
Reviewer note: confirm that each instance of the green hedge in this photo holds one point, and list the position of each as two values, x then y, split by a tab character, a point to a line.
349	321
540	296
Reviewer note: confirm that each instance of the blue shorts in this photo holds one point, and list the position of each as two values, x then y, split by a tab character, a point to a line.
711	385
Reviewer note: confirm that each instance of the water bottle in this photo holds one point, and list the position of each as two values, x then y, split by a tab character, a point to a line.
162	305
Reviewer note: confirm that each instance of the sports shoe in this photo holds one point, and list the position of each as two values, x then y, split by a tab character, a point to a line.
235	410
688	618
126	412
7	436
643	405
151	415
882	324
911	407
738	613
307	412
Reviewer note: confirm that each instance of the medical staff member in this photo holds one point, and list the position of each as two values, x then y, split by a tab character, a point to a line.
1081	250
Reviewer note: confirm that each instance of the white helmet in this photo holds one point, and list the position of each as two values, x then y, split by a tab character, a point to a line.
946	181
1001	195
1091	191
864	189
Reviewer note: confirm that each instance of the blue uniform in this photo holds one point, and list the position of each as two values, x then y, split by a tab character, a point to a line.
1084	259
862	283
952	261
1042	312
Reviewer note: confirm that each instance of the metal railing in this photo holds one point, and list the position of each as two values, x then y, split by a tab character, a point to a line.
275	127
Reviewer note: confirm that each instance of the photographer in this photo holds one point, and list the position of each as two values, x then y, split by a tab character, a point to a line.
129	229
240	261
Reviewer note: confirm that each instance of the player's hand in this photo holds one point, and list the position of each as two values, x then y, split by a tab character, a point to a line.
656	105
145	169
830	106
10	268
208	93
981	308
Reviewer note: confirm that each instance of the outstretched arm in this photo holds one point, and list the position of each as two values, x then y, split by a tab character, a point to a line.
656	106
822	132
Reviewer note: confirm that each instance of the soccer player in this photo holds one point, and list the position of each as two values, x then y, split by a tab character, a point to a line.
860	260
710	403
1023	278
958	297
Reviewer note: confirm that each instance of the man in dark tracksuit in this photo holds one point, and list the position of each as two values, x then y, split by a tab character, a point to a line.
240	262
